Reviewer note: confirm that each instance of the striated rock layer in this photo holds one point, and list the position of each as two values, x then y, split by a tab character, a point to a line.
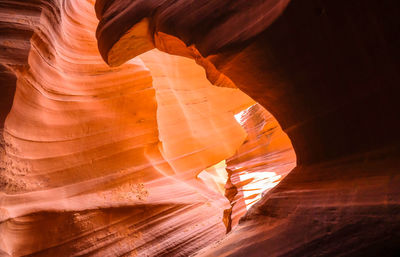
328	71
102	161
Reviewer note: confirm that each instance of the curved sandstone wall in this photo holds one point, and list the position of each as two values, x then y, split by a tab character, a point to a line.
104	161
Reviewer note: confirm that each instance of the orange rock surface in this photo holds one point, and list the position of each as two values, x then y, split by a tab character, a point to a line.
107	161
146	128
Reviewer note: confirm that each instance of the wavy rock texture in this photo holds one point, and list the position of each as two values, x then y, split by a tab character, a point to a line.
328	71
103	161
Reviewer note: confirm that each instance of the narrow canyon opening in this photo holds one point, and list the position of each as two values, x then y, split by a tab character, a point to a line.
198	131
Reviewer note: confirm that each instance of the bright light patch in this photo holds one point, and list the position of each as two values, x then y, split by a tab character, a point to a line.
261	181
239	115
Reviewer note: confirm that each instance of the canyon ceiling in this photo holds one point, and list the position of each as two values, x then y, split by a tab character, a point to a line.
199	128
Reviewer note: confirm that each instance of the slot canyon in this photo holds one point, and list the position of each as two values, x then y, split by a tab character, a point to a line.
199	128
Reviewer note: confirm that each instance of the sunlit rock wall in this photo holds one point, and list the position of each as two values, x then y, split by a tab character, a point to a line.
104	161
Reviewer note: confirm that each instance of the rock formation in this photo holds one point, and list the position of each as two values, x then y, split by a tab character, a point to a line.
105	161
123	121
